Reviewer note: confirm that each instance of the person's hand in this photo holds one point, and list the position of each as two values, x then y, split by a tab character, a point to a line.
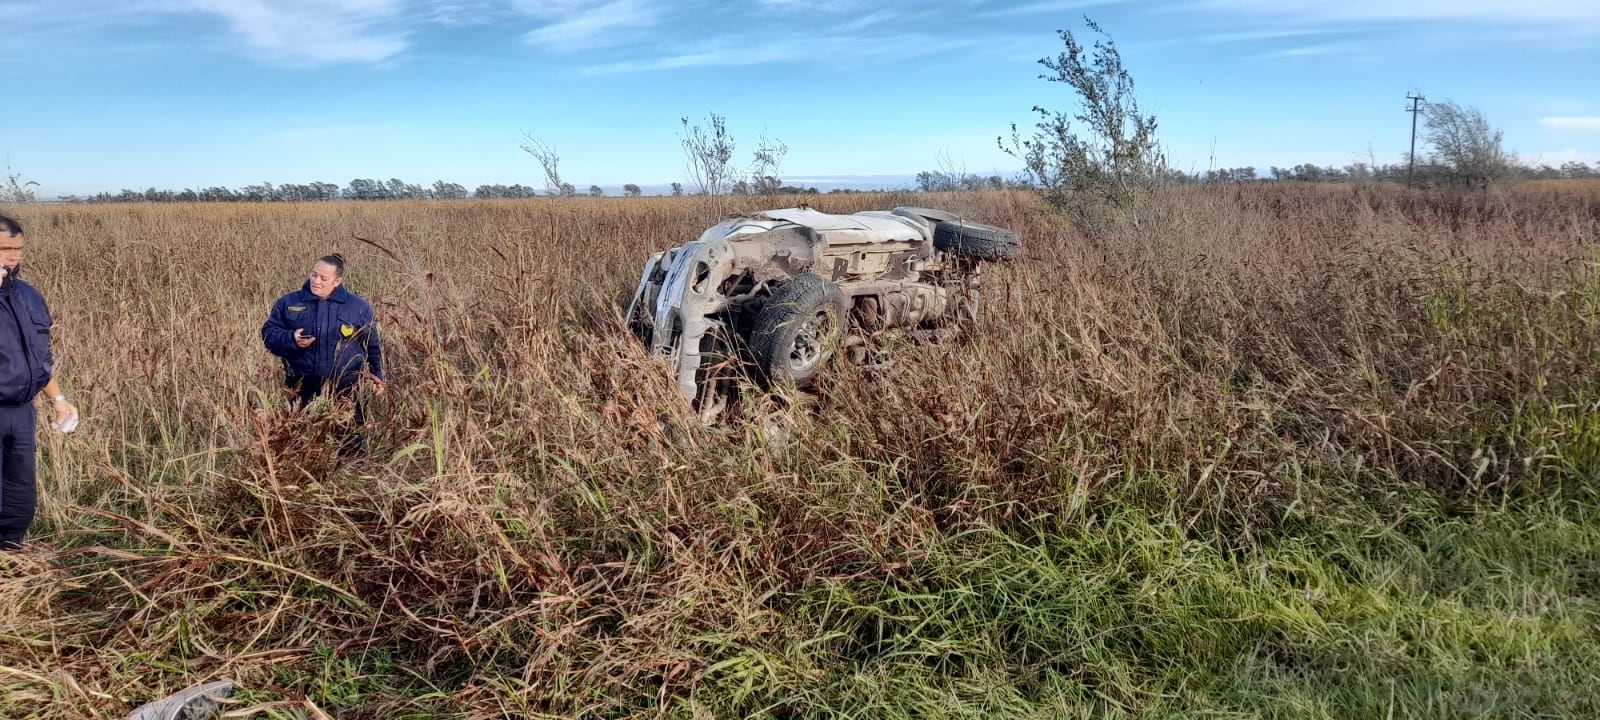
379	387
302	340
66	417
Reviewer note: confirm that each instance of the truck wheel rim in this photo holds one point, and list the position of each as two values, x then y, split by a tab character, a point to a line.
808	343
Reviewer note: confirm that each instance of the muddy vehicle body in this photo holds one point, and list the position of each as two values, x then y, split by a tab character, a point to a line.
783	292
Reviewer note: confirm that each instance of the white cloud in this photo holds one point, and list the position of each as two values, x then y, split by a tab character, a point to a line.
312	32
38	14
583	28
461	13
865	21
1524	11
1318	50
1233	37
292	32
1048	6
817	6
1557	158
736	52
1587	123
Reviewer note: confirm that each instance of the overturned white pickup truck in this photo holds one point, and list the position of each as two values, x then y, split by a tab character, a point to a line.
784	291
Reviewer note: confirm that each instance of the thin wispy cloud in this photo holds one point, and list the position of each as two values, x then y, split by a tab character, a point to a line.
817	6
1318	11
877	18
292	32
1392	26
313	32
1318	50
39	13
735	52
1244	37
584	28
1588	123
465	13
1041	8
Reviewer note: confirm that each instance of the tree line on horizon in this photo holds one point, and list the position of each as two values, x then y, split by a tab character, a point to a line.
1426	174
367	190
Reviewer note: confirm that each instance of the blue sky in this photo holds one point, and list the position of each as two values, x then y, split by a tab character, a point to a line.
111	94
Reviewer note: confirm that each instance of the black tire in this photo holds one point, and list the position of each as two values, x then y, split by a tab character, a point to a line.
798	330
929	213
973	240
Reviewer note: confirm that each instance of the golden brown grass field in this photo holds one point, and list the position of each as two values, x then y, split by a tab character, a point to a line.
1269	451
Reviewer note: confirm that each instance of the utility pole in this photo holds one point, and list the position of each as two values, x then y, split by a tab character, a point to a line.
1414	110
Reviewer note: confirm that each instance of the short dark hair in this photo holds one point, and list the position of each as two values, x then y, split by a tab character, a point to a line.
10	225
336	260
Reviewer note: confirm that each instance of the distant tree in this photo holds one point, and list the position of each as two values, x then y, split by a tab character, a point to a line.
935	181
677	189
1543	172
1233	175
942	181
709	154
630	190
365	189
568	190
765	165
766	185
1117	156
518	191
1463	142
17	190
596	191
448	191
741	188
549	161
264	192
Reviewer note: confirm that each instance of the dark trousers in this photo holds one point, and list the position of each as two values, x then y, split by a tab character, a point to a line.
19	491
307	387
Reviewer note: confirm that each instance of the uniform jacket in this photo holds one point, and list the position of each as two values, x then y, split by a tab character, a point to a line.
26	362
345	329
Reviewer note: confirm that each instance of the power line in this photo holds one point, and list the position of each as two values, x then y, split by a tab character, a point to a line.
1415	110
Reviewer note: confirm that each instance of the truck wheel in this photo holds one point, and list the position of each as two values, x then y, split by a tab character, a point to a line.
929	213
981	242
798	330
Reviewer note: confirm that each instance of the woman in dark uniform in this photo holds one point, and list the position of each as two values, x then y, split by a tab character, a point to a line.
326	337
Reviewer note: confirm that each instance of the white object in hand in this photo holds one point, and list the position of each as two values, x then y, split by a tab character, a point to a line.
67	424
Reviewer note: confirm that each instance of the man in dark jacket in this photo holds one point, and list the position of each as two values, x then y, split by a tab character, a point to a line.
27	367
326	337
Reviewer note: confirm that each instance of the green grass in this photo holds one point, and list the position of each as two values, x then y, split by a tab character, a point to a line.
1488	615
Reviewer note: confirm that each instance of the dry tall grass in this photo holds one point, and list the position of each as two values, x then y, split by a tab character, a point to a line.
1304	451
